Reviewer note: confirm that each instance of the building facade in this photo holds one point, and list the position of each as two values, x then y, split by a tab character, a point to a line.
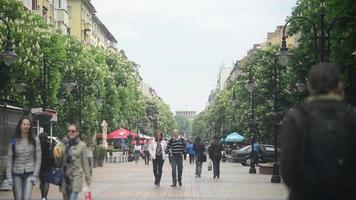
53	11
223	76
80	20
187	113
101	36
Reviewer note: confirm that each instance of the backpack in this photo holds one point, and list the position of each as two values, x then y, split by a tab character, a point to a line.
13	147
326	162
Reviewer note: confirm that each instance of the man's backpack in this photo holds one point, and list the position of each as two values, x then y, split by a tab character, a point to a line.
326	164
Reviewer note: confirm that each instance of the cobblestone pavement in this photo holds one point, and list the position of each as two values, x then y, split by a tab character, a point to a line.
135	181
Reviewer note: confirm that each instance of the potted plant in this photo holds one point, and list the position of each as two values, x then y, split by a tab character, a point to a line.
99	156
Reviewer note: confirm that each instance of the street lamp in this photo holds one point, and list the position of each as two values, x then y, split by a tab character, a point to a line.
234	100
300	85
275	119
8	55
250	87
20	86
322	36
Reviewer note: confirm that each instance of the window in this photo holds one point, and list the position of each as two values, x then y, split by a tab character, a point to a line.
34	4
60	4
269	148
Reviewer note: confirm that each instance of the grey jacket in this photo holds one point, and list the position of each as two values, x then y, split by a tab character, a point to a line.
24	159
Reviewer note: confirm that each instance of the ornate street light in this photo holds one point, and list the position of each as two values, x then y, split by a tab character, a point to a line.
234	100
250	87
322	36
283	55
99	101
62	101
8	55
250	84
20	87
300	85
69	85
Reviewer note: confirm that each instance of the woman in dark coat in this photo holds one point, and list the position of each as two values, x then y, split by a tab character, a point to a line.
46	164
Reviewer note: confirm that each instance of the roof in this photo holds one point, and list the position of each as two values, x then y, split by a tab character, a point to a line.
90	6
106	31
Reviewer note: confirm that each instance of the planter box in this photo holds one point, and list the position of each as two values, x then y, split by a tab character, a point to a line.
266	169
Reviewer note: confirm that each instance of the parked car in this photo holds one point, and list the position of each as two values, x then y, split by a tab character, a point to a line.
243	156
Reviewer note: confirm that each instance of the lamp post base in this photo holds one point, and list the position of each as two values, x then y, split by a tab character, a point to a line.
252	170
276	178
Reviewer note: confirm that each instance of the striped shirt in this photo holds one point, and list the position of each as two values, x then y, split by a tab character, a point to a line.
176	146
24	158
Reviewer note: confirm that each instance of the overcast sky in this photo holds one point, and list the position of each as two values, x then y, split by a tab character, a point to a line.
181	44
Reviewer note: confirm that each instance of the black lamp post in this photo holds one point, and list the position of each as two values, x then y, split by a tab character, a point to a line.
80	87
322	36
275	118
250	87
8	55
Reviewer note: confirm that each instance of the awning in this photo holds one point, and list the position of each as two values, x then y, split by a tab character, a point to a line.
234	137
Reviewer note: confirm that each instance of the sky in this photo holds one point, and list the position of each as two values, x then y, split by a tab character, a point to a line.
181	44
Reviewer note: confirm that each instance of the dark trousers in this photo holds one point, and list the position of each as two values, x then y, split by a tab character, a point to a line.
44	186
191	159
177	163
157	168
147	157
216	167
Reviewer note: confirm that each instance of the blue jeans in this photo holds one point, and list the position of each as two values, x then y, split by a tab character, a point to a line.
22	186
216	167
70	196
177	162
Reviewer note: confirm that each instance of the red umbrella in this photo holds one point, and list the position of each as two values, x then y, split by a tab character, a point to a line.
121	134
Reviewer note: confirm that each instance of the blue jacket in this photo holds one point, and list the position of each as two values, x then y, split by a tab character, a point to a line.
190	149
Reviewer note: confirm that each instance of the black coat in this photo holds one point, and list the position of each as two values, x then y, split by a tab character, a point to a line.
47	161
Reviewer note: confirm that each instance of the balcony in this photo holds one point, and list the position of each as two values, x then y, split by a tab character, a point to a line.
62	16
87	26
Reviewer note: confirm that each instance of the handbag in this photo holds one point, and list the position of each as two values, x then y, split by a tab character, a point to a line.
210	167
87	193
55	176
203	157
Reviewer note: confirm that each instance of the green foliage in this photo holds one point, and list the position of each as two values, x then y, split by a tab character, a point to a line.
184	125
157	117
221	117
99	73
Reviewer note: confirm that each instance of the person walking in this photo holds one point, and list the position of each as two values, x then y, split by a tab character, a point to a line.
318	141
200	157
137	152
90	154
24	163
191	153
73	160
47	163
157	152
146	152
177	146
215	149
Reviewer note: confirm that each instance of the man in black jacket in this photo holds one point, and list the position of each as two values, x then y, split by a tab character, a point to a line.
319	141
215	155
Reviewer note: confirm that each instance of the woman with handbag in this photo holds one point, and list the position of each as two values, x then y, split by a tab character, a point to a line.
74	162
157	152
200	156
